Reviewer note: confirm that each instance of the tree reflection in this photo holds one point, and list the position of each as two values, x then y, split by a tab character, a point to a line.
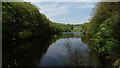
76	56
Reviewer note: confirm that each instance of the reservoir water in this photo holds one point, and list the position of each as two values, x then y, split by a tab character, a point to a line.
68	49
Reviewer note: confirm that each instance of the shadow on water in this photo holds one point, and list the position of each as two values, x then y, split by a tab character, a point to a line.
25	53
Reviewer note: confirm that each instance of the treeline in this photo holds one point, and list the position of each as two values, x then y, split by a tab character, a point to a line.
86	28
22	20
104	27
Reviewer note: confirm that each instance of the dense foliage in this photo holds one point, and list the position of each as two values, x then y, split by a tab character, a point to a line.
105	30
86	28
23	20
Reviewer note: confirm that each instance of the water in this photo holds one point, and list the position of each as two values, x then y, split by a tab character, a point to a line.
64	50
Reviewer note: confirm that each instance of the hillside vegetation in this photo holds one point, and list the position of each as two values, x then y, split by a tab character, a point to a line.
22	20
105	31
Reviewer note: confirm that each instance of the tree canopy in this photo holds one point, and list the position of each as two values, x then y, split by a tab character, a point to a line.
23	20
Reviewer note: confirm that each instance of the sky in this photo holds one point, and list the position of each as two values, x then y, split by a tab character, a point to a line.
64	0
67	12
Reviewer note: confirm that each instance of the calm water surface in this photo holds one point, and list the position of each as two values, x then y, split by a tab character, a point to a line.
64	50
67	50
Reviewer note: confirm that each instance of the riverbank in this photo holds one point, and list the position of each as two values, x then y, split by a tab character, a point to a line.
105	32
107	60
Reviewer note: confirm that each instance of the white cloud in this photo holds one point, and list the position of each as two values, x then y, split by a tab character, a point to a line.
86	0
86	18
86	5
61	0
64	12
71	21
80	21
53	9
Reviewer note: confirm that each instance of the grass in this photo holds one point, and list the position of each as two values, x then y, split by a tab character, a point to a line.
75	30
